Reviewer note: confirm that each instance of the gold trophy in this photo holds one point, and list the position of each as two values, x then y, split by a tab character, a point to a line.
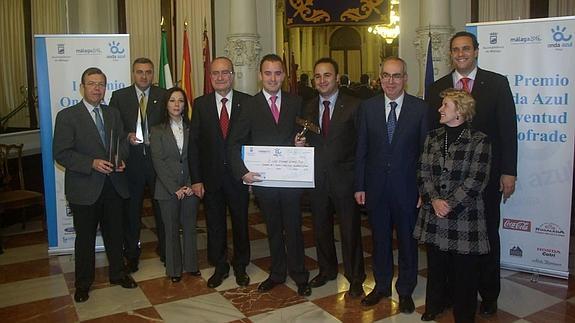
307	125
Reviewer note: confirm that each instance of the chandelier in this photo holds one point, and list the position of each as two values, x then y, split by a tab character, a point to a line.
388	31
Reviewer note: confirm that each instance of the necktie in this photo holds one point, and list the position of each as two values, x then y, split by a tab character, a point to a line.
100	125
391	121
144	119
224	118
274	108
465	83
325	119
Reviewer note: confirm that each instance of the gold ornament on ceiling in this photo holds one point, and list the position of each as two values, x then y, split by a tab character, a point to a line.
363	12
302	8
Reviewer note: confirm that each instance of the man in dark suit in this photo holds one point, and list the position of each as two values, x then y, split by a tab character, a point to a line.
215	114
303	89
336	113
141	106
271	121
95	188
495	116
364	90
392	130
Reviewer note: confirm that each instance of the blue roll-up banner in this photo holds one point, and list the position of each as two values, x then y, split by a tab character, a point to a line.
60	61
537	55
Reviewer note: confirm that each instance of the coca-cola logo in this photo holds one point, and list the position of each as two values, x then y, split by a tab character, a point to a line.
518	225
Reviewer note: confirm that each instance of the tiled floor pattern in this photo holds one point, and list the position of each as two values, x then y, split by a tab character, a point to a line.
36	287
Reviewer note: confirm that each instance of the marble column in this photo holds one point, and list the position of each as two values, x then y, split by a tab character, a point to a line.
434	19
295	48
243	45
307	46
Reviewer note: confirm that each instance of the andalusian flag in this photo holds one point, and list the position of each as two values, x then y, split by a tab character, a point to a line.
165	73
187	73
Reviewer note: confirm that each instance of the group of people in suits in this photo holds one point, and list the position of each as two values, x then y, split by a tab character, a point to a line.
381	153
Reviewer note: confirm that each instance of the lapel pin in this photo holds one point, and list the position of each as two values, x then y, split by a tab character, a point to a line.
155	101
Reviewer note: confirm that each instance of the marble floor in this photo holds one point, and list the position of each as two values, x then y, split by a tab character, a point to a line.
36	287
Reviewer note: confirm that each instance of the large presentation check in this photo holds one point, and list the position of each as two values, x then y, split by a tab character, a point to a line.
281	166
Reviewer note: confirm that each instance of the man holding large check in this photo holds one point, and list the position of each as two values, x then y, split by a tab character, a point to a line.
271	121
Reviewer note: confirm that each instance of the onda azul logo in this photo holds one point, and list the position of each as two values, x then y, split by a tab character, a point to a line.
561	36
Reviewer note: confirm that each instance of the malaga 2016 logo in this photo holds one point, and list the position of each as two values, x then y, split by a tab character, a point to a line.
561	37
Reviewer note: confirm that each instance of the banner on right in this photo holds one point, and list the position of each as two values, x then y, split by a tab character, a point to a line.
537	55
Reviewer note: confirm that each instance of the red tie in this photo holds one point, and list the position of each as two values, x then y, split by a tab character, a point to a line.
325	119
224	118
465	83
274	108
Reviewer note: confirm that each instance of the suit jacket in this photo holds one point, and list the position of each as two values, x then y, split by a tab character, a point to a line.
256	126
495	116
171	167
335	155
208	148
127	102
378	161
459	180
77	143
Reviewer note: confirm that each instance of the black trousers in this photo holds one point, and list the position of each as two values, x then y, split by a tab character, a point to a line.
282	212
140	172
490	279
462	272
106	212
232	195
326	198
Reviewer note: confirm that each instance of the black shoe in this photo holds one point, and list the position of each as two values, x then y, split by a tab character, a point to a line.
132	265
81	295
430	315
406	304
217	279
304	289
320	280
268	284
487	308
355	290
196	273
126	282
176	279
373	298
242	279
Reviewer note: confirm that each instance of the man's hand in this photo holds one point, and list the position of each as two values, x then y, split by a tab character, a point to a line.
360	198
251	177
299	141
441	207
120	168
507	186
102	166
133	139
180	193
198	190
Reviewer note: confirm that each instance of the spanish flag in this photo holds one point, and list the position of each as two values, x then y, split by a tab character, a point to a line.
207	62
187	84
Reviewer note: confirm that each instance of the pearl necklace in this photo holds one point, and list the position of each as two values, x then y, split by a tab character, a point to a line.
445	148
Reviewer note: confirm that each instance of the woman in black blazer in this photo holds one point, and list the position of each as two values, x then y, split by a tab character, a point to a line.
178	204
454	170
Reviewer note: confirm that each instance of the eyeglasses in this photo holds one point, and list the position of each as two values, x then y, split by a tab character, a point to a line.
95	84
222	73
393	77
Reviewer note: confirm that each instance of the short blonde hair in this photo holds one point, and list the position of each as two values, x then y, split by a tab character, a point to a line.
464	102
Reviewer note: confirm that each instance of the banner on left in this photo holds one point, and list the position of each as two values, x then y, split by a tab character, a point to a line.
60	61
